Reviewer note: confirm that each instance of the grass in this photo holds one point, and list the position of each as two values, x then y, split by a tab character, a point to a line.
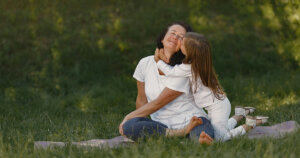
94	112
66	71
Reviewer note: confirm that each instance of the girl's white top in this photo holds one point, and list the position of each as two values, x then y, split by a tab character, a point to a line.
203	96
177	113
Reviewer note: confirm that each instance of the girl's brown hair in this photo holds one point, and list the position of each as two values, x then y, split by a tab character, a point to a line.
199	56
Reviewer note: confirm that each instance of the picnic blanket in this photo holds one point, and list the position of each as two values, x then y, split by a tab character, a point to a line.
100	143
274	131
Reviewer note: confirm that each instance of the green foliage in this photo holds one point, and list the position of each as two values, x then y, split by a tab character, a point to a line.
66	67
250	37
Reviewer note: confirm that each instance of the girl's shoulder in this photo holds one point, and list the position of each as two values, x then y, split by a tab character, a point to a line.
185	66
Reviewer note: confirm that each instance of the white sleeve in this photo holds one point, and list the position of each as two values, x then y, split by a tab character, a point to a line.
180	84
182	70
140	69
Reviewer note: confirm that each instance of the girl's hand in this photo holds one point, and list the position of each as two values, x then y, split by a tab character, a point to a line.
179	44
156	55
162	56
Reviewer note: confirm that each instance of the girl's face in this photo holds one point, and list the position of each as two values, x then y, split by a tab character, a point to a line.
182	47
174	37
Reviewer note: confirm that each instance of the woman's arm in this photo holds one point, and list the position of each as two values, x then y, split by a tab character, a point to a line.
141	98
166	96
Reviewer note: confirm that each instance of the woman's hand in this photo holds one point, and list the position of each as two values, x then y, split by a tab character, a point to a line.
165	97
121	126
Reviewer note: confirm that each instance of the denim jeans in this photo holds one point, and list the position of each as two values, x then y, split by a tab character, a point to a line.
141	127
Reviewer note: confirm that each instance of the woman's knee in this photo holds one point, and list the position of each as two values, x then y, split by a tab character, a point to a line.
205	126
208	128
142	128
128	125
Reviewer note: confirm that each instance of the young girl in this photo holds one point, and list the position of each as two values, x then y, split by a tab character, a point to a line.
208	93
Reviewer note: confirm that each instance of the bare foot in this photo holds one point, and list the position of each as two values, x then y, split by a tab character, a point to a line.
205	138
195	121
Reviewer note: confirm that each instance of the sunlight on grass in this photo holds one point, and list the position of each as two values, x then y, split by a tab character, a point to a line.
66	71
83	33
59	22
10	94
296	49
122	46
275	102
101	44
117	24
56	58
269	14
98	26
115	27
84	104
293	16
199	20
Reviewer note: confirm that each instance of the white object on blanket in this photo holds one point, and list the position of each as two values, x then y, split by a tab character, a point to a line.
101	143
275	131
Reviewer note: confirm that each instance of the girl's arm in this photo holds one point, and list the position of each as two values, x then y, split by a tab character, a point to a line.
141	98
182	70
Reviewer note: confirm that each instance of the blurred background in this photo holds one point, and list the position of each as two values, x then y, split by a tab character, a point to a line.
51	43
66	65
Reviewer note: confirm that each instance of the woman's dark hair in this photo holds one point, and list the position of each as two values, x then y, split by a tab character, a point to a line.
177	57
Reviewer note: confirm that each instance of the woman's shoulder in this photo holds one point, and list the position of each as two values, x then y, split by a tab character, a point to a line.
146	60
144	65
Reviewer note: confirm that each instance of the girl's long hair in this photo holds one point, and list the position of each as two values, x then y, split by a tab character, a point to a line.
199	57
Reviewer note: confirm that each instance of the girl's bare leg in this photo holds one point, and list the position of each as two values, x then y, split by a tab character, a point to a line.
195	121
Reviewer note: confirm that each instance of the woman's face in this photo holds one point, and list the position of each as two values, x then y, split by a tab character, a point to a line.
174	37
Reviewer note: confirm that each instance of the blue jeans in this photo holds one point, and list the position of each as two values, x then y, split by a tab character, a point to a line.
141	127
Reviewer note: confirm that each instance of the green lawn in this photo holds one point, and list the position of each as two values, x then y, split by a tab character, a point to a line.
66	71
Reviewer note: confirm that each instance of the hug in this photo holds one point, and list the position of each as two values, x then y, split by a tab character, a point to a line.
175	85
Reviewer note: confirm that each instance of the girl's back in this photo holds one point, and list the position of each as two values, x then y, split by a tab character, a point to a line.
202	94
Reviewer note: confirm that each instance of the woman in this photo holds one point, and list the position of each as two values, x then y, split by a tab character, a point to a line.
167	100
208	92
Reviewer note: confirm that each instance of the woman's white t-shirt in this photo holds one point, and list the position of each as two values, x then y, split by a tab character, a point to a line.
177	113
